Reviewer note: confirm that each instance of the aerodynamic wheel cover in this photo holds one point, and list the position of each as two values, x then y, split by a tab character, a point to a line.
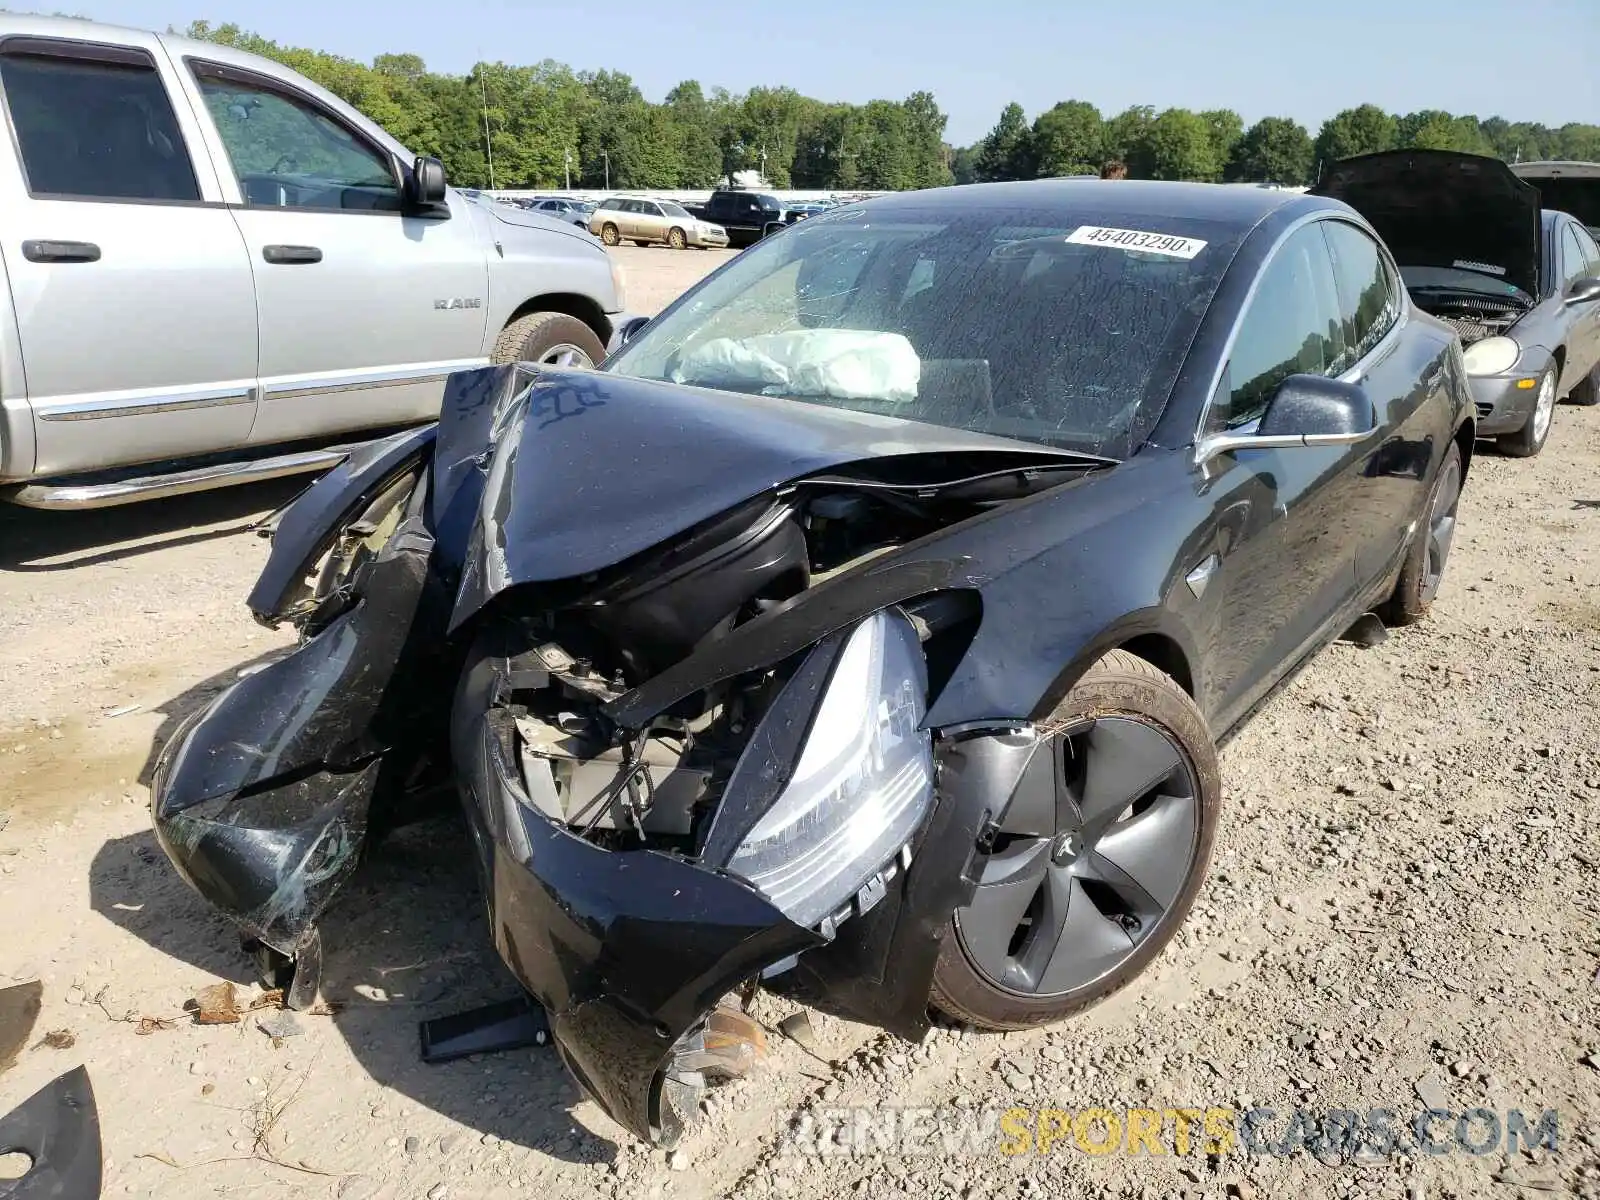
1067	896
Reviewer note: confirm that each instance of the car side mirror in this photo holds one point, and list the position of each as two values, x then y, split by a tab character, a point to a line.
1583	291
1314	406
426	184
630	329
1306	410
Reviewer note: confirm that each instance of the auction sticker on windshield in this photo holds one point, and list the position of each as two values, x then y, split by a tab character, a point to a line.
1136	239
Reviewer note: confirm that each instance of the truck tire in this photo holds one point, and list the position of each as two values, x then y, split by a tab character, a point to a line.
610	234
552	338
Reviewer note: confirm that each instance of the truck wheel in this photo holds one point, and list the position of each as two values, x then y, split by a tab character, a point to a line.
552	338
610	234
676	240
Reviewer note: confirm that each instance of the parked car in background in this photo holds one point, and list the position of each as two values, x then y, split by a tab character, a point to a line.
746	216
215	267
576	212
1570	187
651	222
1520	286
864	627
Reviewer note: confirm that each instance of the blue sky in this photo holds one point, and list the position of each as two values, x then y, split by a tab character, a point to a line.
1534	60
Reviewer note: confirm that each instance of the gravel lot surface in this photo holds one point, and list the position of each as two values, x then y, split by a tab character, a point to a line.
1404	912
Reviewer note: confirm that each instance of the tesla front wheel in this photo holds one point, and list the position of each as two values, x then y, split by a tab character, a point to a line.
1084	883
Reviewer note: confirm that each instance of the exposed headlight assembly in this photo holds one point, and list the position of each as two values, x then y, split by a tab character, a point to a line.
1491	356
861	786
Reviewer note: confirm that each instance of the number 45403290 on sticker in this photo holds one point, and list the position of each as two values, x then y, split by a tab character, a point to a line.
1168	244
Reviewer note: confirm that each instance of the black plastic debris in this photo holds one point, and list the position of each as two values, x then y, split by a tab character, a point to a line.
58	1129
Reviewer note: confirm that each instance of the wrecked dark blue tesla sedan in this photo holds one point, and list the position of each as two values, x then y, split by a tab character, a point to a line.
864	627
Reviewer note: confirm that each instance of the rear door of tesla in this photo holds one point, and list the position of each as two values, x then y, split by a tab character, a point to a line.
1289	572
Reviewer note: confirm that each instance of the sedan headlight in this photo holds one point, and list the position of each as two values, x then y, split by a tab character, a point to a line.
862	784
1491	356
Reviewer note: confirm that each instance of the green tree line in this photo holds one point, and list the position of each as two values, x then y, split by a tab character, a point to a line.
1175	143
534	122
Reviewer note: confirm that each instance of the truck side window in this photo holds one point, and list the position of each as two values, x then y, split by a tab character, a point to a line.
96	129
287	153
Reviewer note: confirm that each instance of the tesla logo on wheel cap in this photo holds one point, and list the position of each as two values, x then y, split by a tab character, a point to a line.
1065	848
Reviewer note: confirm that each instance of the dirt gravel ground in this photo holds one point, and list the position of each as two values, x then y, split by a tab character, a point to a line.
1404	912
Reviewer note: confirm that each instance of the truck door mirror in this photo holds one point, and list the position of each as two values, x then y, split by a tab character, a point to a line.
425	187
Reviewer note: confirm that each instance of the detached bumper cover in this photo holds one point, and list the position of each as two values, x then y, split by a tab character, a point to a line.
626	950
629	950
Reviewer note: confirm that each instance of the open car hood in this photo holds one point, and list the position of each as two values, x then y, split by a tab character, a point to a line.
1569	187
1439	208
588	469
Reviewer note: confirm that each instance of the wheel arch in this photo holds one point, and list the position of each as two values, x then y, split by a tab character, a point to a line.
1152	635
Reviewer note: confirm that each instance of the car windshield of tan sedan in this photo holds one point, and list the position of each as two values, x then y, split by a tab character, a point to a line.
1022	324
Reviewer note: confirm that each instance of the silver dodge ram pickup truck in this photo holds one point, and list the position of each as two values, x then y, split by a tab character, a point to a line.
215	268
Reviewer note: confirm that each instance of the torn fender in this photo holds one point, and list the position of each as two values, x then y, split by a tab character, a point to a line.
263	800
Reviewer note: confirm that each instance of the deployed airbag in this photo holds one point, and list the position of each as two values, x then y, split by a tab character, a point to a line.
851	364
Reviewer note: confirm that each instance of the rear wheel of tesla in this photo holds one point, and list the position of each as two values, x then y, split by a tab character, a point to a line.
1081	889
1423	570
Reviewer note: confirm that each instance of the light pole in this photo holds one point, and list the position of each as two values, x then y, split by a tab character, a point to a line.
567	167
763	166
607	157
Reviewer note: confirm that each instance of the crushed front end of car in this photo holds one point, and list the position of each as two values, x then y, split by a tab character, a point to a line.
680	650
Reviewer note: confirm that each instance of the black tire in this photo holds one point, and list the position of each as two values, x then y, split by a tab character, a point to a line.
1425	562
545	337
610	234
1586	392
676	239
1136	699
1530	439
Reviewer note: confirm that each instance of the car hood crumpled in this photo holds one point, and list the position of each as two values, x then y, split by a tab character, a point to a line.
1438	208
590	468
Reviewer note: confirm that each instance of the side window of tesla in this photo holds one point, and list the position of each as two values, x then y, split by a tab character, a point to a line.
1293	326
1369	301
